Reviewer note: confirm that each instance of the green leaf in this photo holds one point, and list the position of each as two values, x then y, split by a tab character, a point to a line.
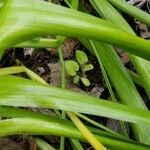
40	127
42	145
39	43
72	3
26	121
125	87
103	7
58	20
76	145
85	81
132	10
88	67
76	79
15	91
81	57
71	67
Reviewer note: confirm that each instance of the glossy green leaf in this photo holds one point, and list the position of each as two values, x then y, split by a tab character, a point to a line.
132	10
125	84
142	66
38	124
27	19
17	91
61	128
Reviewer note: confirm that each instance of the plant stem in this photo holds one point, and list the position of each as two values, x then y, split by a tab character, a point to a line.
63	86
98	125
62	64
82	128
86	133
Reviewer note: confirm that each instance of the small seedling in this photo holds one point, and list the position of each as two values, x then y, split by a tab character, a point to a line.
78	68
71	67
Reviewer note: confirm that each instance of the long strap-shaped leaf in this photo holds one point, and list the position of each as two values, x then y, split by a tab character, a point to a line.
127	93
61	124
23	20
142	66
131	10
61	128
36	123
17	91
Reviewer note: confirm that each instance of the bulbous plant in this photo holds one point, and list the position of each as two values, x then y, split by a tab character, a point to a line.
22	21
25	20
77	69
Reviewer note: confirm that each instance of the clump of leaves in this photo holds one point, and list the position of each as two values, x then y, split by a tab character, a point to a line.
78	68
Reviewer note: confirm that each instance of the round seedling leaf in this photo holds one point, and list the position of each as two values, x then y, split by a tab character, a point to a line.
71	67
81	57
88	67
85	81
76	79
